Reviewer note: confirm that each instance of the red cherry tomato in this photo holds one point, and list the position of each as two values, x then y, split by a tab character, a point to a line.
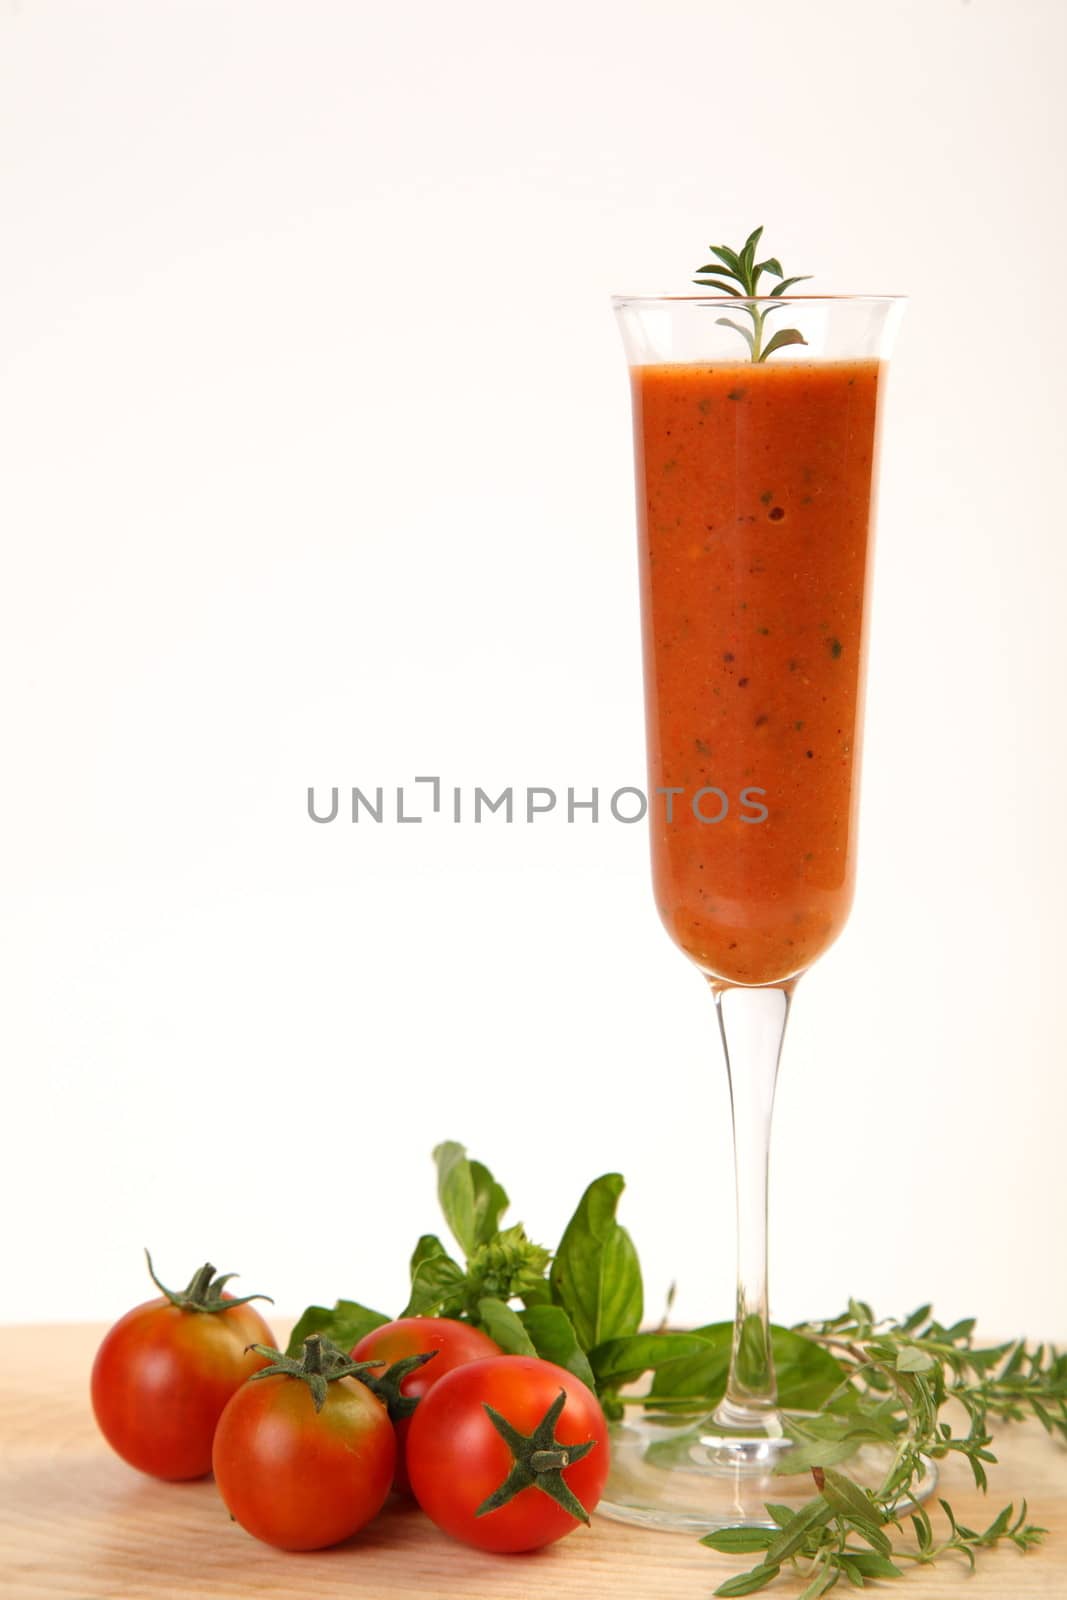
458	1457
299	1478
164	1373
453	1343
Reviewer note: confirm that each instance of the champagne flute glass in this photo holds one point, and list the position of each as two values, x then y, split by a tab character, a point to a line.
755	485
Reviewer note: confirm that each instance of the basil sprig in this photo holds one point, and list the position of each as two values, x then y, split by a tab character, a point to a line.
580	1305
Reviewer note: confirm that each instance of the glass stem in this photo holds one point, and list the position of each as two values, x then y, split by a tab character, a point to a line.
752	1023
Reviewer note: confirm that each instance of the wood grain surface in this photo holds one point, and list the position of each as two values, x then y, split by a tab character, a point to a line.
77	1524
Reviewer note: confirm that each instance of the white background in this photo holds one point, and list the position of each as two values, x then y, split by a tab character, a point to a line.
316	470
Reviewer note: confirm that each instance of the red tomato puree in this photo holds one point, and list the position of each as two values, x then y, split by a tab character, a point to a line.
754	502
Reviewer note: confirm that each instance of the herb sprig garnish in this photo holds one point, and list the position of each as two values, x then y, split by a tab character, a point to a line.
737	273
582	1306
898	1378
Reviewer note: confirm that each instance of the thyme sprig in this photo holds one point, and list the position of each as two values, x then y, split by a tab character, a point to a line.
898	1377
737	273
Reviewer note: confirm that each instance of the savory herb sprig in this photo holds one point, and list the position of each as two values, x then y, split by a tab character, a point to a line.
866	1379
898	1377
737	273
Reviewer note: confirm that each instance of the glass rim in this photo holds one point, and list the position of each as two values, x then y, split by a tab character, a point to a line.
619	300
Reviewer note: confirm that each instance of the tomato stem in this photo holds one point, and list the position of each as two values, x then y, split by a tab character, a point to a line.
204	1291
313	1355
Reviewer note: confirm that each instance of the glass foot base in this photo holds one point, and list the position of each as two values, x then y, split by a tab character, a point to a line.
697	1478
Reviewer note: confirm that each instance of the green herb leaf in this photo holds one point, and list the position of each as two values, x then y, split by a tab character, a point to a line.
783	337
746	333
807	1373
723	288
743	269
554	1339
455	1191
427	1247
344	1325
620	1361
816	1514
856	1378
438	1285
595	1276
848	1498
506	1327
750	1582
740	1541
787	283
871	1565
490	1202
731	260
825	1578
912	1360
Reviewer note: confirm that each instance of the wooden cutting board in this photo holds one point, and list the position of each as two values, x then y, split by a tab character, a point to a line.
77	1524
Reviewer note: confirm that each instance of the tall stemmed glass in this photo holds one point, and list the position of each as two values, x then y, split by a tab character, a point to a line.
755	482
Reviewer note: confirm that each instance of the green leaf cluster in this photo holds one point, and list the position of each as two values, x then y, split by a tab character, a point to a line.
580	1305
859	1378
899	1377
738	273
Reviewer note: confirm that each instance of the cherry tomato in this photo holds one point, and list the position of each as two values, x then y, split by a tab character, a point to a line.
299	1475
453	1343
518	1479
166	1370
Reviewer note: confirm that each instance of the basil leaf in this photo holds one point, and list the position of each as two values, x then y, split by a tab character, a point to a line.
620	1361
595	1276
470	1197
554	1339
428	1247
702	1375
538	1294
490	1202
345	1325
807	1373
505	1326
437	1283
455	1190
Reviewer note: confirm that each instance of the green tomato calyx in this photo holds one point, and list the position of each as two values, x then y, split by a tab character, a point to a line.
539	1459
204	1290
319	1364
385	1386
